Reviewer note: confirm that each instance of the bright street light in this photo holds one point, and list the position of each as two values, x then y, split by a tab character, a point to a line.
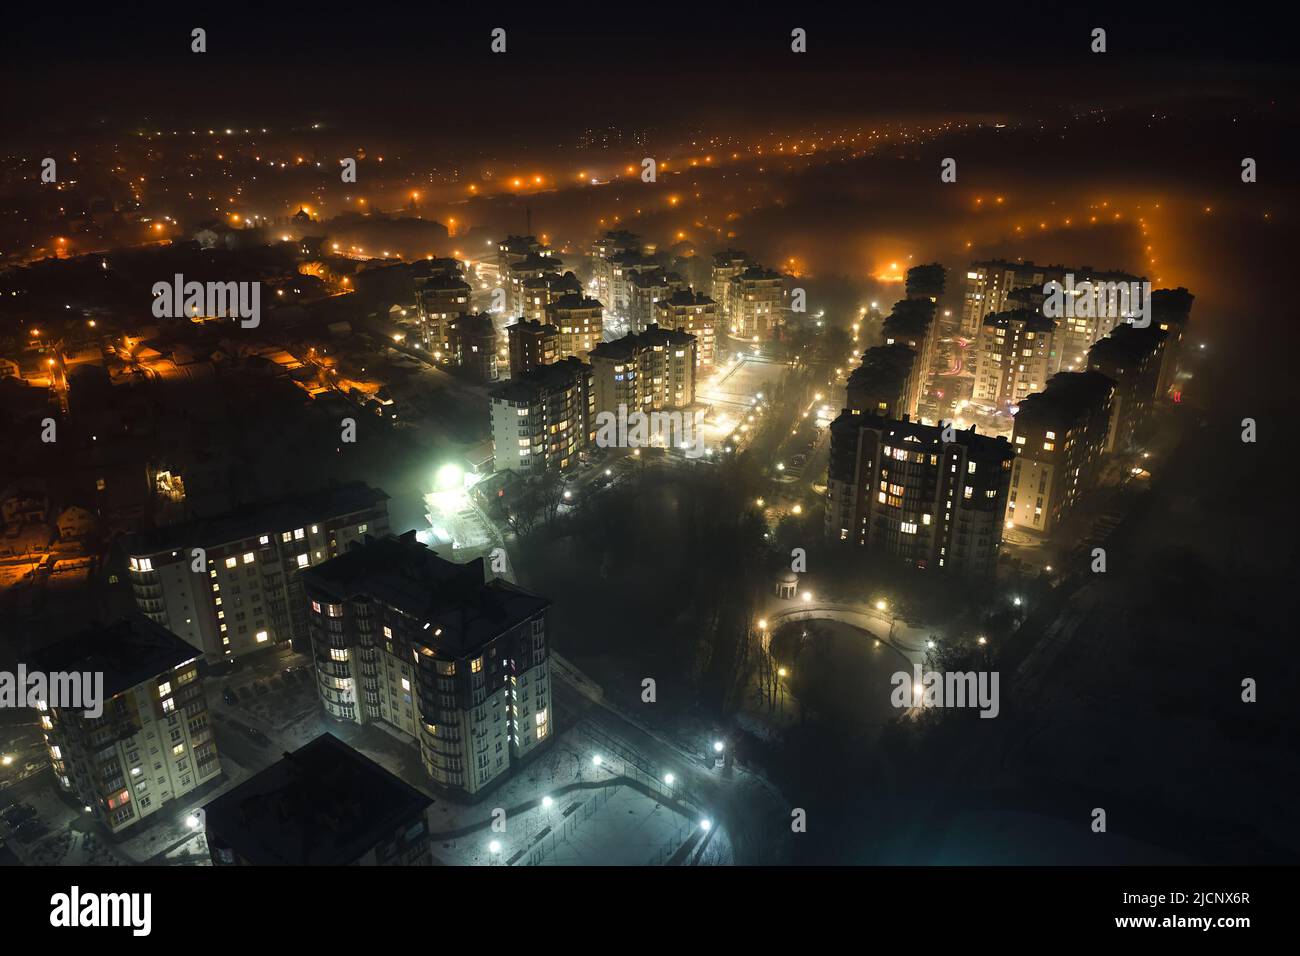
669	778
717	746
494	846
596	761
706	824
546	803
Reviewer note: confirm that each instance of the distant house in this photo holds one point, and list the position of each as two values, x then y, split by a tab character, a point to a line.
24	502
77	525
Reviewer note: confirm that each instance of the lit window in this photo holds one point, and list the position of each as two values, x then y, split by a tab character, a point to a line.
231	562
406	684
338	654
476	665
263	637
168	706
248	557
302	560
299	534
315	606
178	750
164	688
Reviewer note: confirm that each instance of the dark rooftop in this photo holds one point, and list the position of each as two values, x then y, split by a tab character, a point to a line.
325	804
130	652
249	521
1068	396
462	610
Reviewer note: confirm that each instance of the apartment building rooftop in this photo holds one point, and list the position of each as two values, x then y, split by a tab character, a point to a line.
653	335
1089	271
906	430
128	652
576	300
685	297
1034	321
325	804
883	365
1125	345
1068	395
460	610
542	378
759	273
252	520
730	257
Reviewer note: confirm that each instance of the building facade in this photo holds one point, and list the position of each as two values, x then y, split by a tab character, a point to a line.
1131	357
532	343
544	420
580	322
1060	437
696	313
756	297
453	663
1015	355
152	744
885	384
245	594
472	346
897	488
653	370
727	265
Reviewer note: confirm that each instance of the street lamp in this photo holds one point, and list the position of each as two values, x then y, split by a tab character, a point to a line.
547	803
881	605
718	746
706	824
596	761
669	778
